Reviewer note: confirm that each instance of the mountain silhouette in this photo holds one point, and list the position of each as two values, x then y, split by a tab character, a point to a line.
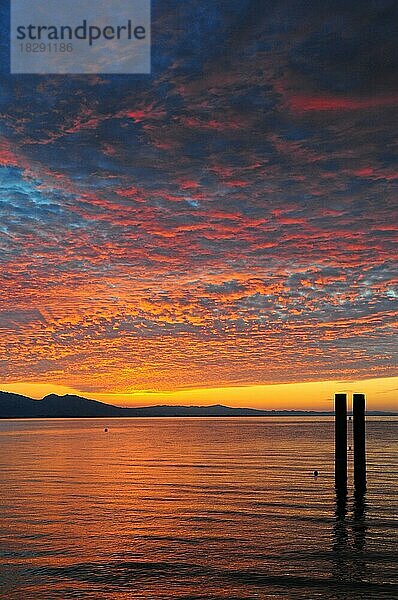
14	406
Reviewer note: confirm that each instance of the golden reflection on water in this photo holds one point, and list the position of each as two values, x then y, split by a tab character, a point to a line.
205	508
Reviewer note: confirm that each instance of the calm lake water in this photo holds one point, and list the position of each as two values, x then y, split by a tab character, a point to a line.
168	509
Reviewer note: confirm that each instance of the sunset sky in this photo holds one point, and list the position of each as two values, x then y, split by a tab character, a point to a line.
213	230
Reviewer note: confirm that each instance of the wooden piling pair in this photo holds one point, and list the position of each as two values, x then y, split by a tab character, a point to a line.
358	409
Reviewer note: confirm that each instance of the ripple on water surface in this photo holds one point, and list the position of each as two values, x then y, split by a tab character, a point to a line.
193	509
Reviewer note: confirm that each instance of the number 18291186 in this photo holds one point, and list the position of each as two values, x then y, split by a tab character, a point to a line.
45	47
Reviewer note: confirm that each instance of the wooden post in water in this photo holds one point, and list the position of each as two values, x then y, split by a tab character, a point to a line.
340	441
359	442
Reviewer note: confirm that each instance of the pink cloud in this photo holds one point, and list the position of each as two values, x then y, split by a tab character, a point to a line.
305	103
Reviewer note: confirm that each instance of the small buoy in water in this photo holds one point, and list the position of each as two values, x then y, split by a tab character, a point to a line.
106	430
316	473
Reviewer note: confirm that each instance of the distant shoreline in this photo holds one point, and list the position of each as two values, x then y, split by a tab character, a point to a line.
189	417
16	406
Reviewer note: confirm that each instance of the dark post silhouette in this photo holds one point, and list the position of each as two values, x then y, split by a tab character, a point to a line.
340	440
359	442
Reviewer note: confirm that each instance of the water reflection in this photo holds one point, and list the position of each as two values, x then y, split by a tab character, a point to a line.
341	550
173	510
349	538
359	528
